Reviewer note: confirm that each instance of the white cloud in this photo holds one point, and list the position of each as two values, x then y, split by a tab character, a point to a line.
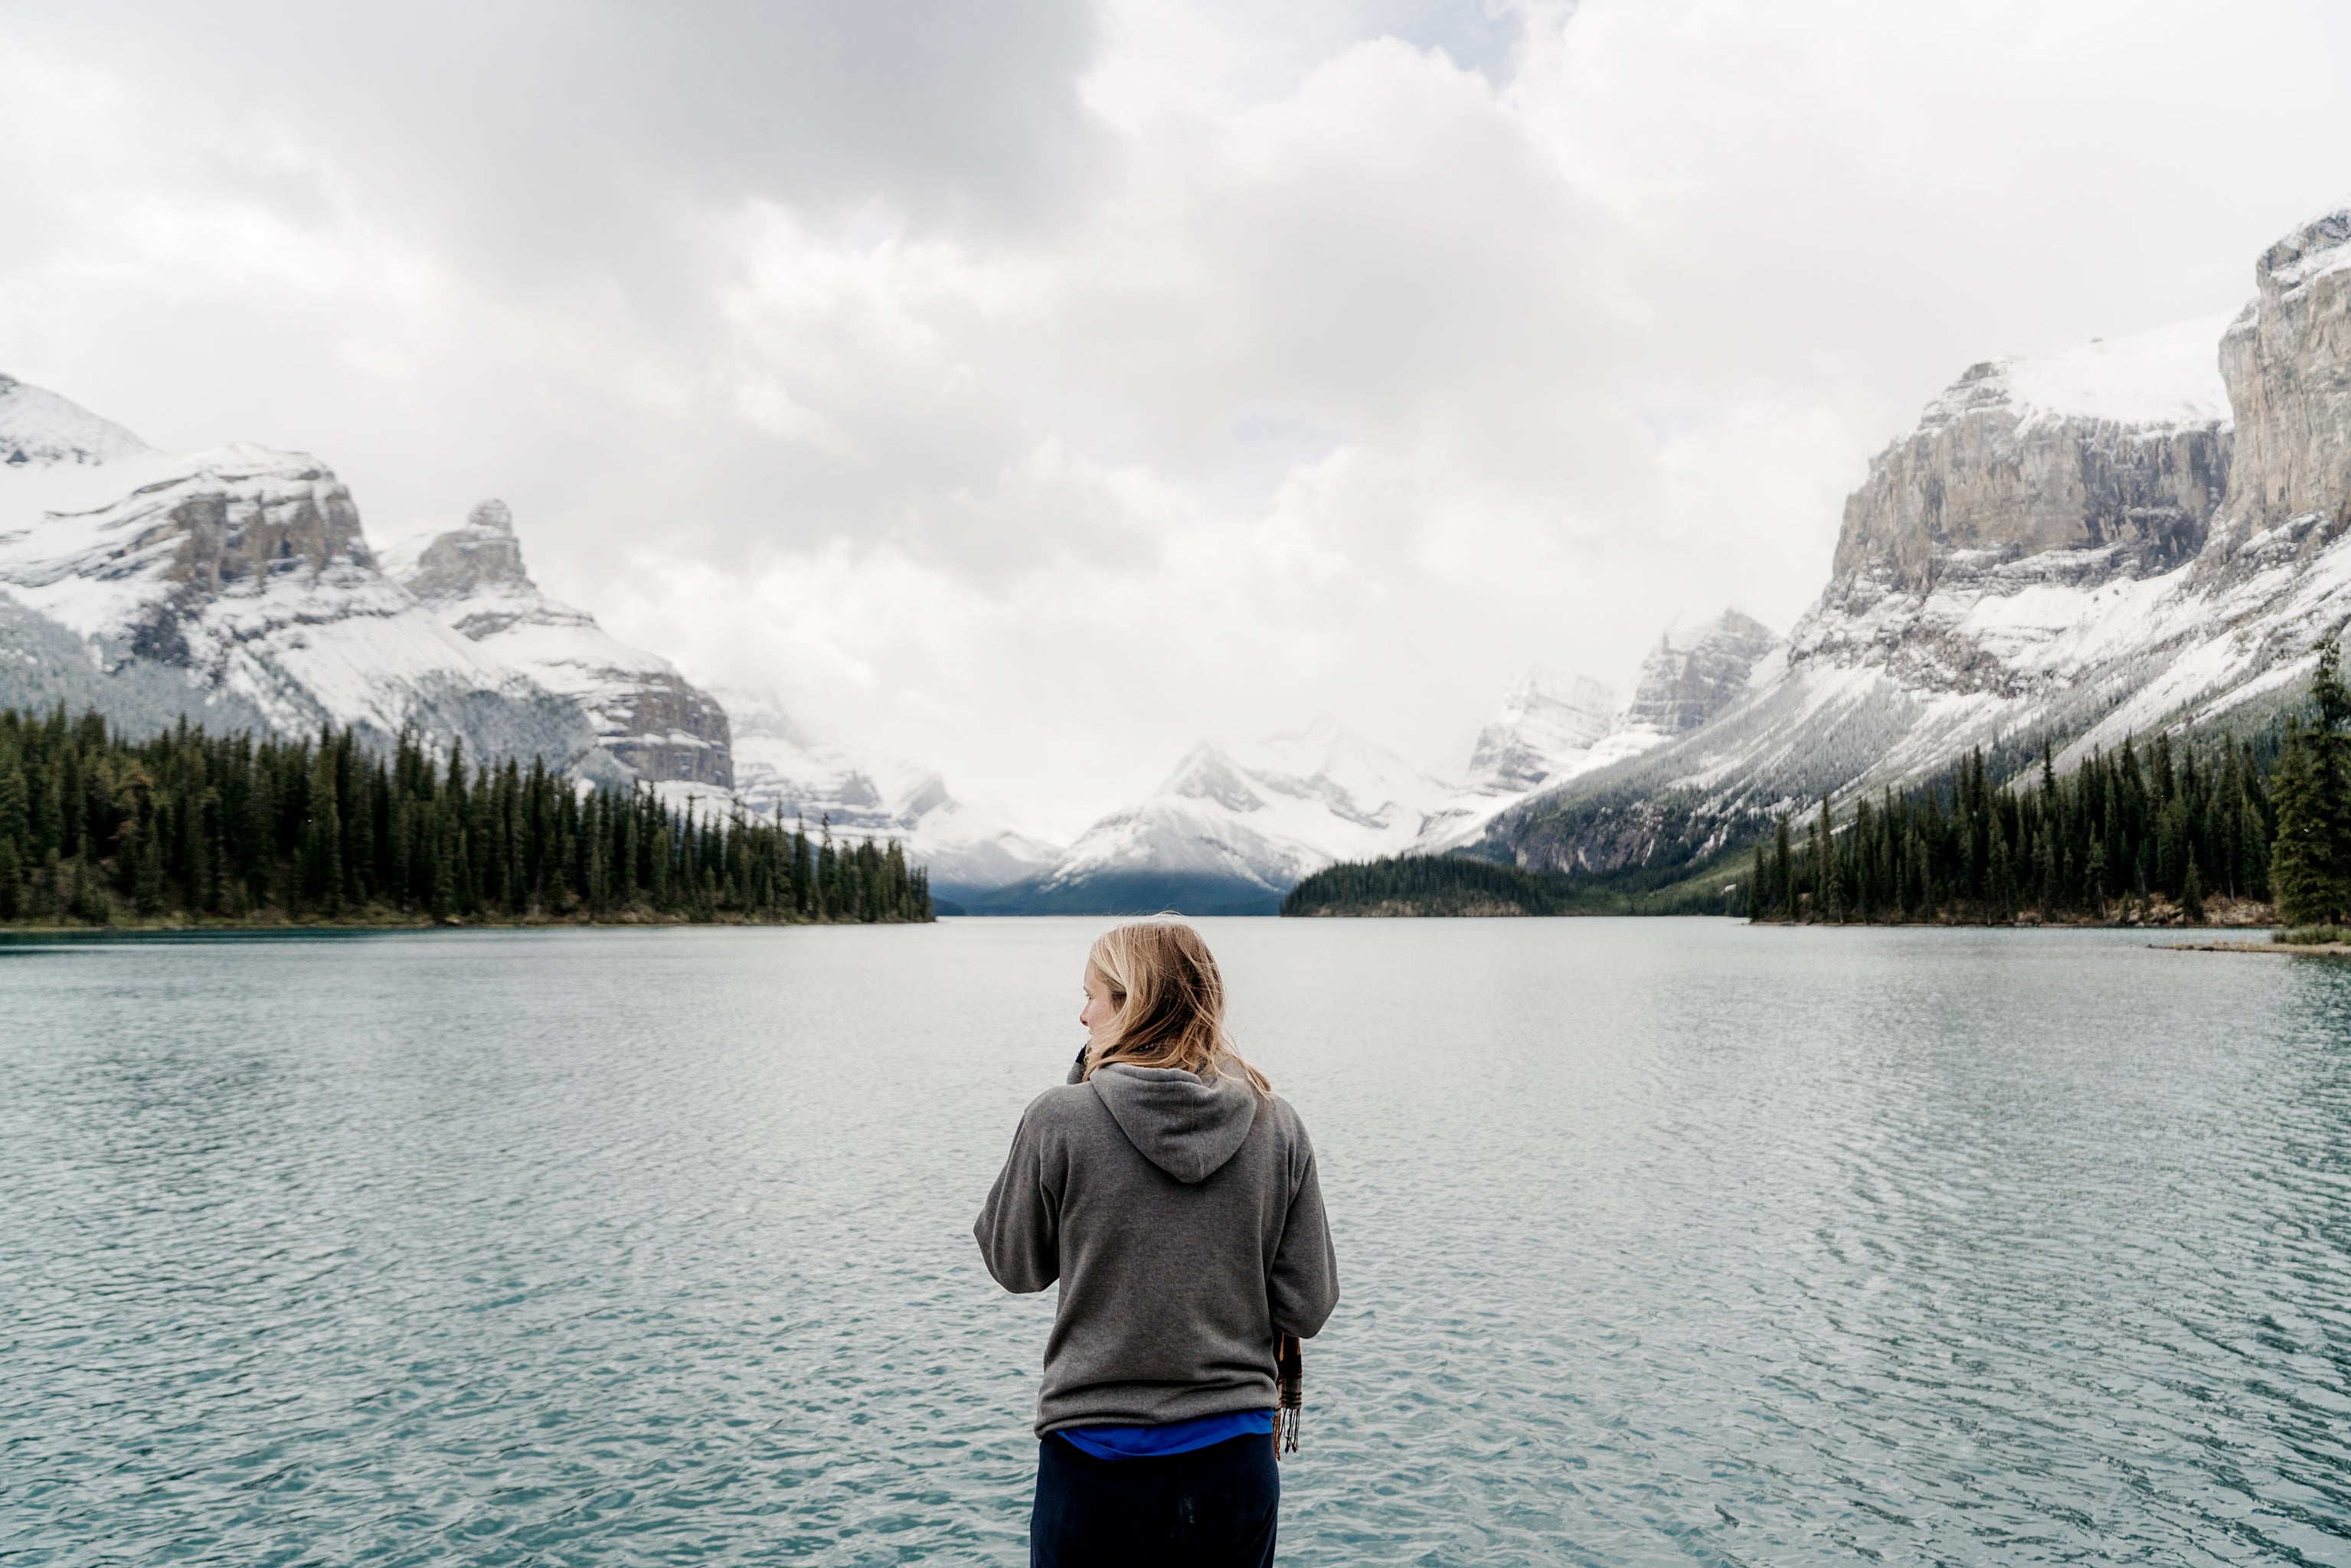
1031	394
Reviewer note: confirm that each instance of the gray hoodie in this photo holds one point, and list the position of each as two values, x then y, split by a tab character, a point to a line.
1185	1222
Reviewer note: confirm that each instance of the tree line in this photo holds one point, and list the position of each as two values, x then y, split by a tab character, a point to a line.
2310	861
188	826
2104	841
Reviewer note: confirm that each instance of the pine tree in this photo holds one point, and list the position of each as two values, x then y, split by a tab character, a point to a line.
1922	878
1999	903
146	878
2311	793
1783	874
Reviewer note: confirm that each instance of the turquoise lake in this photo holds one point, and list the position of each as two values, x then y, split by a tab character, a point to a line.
1662	1242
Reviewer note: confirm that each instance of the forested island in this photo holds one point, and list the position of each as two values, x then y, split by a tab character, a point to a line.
1411	885
189	829
1461	885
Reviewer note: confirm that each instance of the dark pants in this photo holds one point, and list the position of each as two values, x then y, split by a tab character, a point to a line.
1212	1508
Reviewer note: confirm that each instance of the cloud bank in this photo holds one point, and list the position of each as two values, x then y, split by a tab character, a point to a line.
1033	388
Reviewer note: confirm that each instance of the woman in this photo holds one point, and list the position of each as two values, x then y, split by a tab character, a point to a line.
1174	1198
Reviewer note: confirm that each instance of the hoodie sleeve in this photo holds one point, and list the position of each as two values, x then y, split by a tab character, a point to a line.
1304	1283
1019	1227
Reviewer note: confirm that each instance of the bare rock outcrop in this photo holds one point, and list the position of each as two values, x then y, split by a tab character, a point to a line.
2287	361
647	717
2122	449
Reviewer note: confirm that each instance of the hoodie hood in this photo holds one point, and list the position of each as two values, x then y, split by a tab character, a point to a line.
1186	1126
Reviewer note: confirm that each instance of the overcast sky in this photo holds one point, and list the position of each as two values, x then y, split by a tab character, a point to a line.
1033	387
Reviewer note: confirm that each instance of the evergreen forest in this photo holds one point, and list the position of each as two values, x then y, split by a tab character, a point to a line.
2106	841
2126	836
189	828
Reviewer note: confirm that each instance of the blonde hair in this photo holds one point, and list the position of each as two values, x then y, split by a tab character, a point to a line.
1171	1003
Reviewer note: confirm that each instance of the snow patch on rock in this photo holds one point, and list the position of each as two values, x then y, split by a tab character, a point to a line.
38	429
2169	376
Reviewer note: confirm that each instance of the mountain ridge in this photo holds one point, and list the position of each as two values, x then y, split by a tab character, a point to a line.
242	574
2014	566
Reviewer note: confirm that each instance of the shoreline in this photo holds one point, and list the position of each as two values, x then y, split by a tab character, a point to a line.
2283	949
164	926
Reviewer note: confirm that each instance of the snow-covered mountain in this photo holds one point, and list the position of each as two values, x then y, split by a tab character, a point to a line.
1550	722
234	586
647	718
1555	727
1695	672
2133	534
780	770
1233	828
38	429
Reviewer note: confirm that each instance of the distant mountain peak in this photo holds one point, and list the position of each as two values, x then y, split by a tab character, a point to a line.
1547	716
1231	828
781	771
1207	773
40	429
1696	671
1554	727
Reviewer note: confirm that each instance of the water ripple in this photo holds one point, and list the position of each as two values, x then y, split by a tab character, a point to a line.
1663	1242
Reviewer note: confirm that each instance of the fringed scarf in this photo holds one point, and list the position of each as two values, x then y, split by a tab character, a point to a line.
1290	1378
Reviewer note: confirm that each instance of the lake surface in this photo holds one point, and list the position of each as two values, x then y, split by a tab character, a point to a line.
1662	1242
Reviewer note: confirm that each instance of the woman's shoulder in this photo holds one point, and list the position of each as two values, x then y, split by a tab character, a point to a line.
1284	1123
1062	1105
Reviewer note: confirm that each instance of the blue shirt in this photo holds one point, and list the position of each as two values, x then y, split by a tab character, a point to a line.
1173	1438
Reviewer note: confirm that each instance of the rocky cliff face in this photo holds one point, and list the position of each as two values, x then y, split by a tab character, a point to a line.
2135	535
647	718
481	560
2019	457
240	579
2287	361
